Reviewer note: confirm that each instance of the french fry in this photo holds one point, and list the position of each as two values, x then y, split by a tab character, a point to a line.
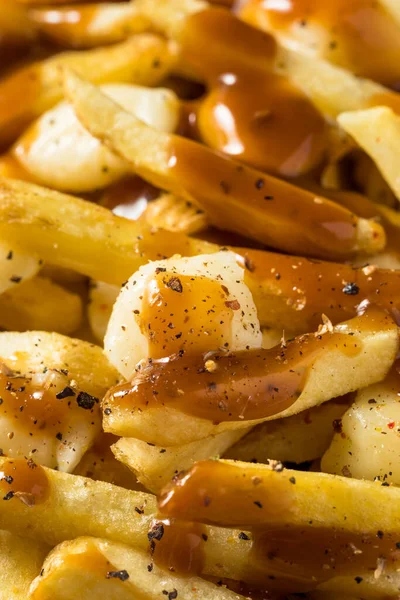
234	499
175	214
180	401
366	442
100	464
290	293
363	125
87	25
302	437
155	466
68	232
74	506
40	304
86	564
20	562
336	535
143	60
196	175
68	506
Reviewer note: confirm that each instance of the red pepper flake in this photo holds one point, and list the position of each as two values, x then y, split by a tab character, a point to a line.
391	425
233	304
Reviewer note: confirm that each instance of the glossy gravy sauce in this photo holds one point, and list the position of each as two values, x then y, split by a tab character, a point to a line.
244	385
286	559
24	480
42	407
249	112
185	314
360	34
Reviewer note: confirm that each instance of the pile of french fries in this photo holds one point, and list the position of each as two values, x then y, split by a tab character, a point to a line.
199	300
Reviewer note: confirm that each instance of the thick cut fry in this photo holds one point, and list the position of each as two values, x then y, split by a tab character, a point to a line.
63	506
175	214
234	499
100	464
20	562
367	444
297	439
82	236
320	531
50	390
87	25
155	466
70	506
143	60
86	564
228	192
377	131
177	401
290	293
40	304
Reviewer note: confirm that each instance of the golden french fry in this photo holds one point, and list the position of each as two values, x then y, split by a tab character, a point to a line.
175	214
297	439
290	293
87	25
382	147
195	173
100	464
338	540
20	562
40	304
332	502
155	466
68	506
178	401
366	443
60	506
117	572
68	232
143	60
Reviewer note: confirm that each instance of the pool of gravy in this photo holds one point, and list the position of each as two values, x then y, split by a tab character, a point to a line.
360	34
249	111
